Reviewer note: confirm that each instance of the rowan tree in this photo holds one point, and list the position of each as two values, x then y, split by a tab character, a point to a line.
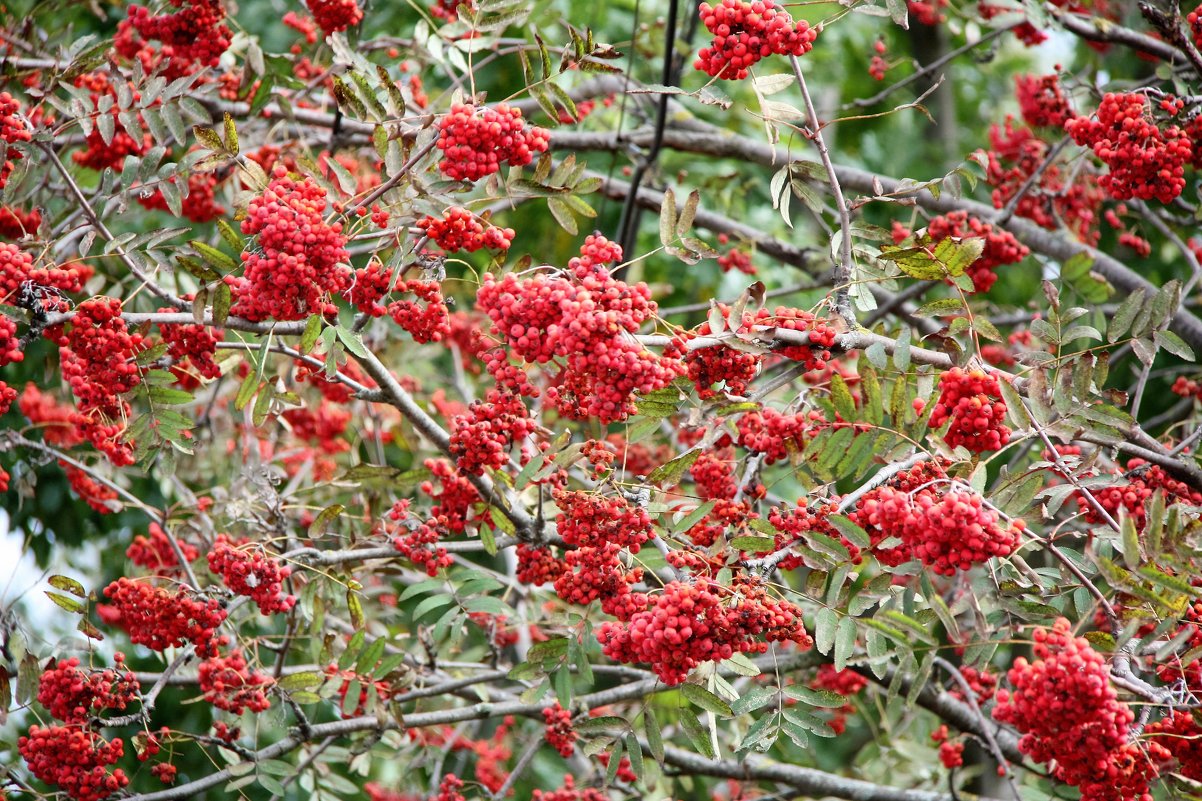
587	402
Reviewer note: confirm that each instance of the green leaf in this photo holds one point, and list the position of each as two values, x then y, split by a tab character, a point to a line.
213	256
854	534
67	585
667	218
231	135
705	699
670	473
300	681
324	518
70	604
601	723
698	734
753	544
826	624
655	742
813	697
845	642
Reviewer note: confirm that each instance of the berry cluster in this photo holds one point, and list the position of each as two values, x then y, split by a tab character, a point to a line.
475	142
569	792
1069	715
254	575
951	754
772	433
814	355
193	348
720	365
156	554
16	269
877	67
459	229
948	531
1181	736
737	258
1129	498
100	497
194	33
971	400
72	695
845	682
429	323
745	32
301	259
587	321
481	438
370	286
448	789
1145	162
1018	156
228	684
457	496
687	624
200	205
588	520
161	619
537	565
75	759
335	15
559	733
1000	246
13	129
793	525
1042	101
98	357
417	541
16	223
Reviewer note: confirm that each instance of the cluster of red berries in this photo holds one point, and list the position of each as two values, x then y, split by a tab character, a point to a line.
16	223
10	343
589	520
971	400
200	205
13	129
193	348
559	732
687	624
370	286
418	541
72	694
982	683
481	438
719	364
156	554
947	531
1145	162
252	574
877	67
228	684
301	259
459	229
1144	480
587	321
98	357
448	789
1042	101
793	525
537	565
159	618
745	32
1181	736
1000	246
476	142
569	792
928	12
814	355
102	498
75	759
335	15
429	323
303	25
1187	387
714	475
194	33
1015	156
1069	715
951	754
100	154
772	433
16	268
845	682
453	503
